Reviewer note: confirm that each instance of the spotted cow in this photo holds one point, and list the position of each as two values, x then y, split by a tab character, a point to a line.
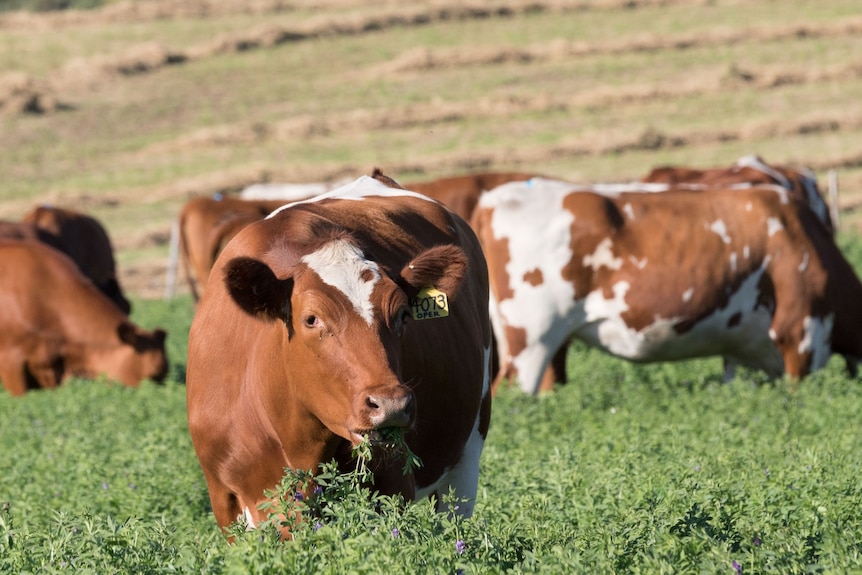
362	309
749	275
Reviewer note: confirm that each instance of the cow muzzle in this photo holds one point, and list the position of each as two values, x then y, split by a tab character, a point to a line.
390	408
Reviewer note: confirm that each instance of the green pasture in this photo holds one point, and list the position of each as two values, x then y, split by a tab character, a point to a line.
626	469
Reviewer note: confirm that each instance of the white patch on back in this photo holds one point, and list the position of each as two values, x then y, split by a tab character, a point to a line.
359	189
803	265
603	256
720	228
773	226
341	265
629	210
733	262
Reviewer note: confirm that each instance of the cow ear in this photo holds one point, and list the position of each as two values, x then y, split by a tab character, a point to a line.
256	290
443	267
127	334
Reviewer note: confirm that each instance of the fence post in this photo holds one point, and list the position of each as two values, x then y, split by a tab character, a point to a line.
834	207
173	257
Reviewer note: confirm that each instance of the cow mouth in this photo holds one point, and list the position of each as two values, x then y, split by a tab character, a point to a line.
385	438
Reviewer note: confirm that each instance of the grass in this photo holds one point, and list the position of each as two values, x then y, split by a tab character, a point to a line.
626	469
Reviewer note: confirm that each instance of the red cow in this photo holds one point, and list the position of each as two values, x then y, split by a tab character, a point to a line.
200	244
319	327
55	324
84	239
747	274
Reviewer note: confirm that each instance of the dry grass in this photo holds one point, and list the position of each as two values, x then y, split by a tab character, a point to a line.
135	108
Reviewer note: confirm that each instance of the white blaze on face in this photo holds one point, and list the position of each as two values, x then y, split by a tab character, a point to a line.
249	519
603	256
342	265
720	228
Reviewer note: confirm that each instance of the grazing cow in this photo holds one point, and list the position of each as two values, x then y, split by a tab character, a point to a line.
202	225
84	239
55	324
746	274
750	170
359	310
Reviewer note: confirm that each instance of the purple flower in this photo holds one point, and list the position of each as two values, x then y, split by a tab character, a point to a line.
298	496
757	541
395	533
318	525
105	485
318	490
460	547
737	567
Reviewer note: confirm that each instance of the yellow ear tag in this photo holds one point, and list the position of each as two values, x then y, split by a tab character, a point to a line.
430	303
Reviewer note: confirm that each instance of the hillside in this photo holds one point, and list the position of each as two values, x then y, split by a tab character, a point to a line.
128	111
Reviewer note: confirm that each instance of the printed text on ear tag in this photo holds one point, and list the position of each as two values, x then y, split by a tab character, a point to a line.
430	303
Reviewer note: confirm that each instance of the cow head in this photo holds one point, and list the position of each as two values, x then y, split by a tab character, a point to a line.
343	320
142	355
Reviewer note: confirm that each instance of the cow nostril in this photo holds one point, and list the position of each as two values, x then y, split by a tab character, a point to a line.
390	411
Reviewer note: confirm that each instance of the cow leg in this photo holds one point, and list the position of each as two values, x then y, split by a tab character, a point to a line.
556	371
44	374
13	380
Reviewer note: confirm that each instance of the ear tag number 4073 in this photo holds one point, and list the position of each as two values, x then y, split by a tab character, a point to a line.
430	303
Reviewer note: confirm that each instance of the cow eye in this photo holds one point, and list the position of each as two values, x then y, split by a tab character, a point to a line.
401	323
311	321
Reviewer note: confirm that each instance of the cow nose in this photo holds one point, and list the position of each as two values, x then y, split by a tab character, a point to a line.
387	411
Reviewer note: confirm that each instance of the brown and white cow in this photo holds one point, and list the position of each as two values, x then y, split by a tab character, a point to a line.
747	171
202	223
82	238
319	327
56	324
749	275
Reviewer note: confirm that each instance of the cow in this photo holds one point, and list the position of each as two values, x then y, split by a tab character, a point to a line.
333	319
202	223
747	274
56	324
79	236
747	171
